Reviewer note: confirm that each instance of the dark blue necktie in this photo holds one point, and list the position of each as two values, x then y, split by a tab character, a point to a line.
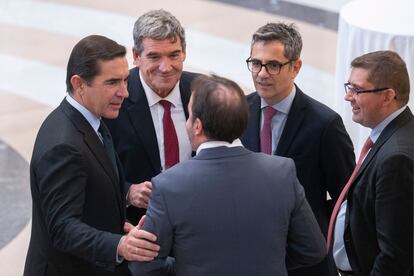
108	145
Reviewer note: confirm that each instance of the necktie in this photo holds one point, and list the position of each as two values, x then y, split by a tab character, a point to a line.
266	133
171	150
368	144
108	145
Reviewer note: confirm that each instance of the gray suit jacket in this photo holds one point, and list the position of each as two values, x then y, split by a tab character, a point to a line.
229	211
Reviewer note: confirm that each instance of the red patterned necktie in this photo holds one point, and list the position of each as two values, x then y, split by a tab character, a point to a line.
171	150
368	144
266	133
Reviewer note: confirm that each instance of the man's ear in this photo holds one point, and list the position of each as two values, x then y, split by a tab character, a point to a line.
297	64
198	127
77	83
389	96
135	56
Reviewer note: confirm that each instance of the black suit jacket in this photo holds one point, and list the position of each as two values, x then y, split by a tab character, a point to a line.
315	138
379	220
78	205
134	135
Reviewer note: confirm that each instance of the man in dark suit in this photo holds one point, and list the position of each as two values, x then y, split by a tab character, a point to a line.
140	136
373	233
285	121
228	211
78	204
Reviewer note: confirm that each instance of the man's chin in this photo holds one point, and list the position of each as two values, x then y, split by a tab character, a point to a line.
111	115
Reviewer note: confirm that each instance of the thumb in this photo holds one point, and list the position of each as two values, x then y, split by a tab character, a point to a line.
141	222
128	227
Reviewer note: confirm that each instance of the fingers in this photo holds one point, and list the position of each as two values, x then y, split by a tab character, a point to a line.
139	194
128	227
139	246
142	234
136	253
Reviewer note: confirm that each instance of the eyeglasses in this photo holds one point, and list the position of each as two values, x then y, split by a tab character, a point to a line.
272	67
349	88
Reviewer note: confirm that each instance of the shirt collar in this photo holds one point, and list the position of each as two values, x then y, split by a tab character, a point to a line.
284	105
376	132
93	120
153	98
215	144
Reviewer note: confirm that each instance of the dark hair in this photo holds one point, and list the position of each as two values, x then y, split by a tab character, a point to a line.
83	60
286	34
221	106
386	69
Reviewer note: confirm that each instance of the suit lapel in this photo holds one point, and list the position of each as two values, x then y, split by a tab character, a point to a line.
95	146
293	122
251	137
140	116
389	130
185	92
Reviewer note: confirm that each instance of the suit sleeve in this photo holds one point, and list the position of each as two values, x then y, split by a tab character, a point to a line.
305	241
338	158
394	216
157	222
62	178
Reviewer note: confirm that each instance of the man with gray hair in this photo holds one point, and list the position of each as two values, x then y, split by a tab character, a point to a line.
149	134
285	121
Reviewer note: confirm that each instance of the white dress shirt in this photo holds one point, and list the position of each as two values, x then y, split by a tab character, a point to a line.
338	249
177	116
279	120
216	144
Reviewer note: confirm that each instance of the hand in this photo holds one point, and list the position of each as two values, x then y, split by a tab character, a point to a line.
139	194
138	244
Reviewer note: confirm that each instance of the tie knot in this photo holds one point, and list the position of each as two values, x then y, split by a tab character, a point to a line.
165	104
269	112
368	144
102	129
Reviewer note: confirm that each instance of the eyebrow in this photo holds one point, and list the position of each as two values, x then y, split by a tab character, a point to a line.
269	61
116	79
159	54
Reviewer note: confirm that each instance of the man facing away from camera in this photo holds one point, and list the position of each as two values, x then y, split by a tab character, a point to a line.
228	211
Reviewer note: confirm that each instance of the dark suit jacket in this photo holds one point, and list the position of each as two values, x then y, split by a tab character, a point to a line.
134	135
78	205
218	219
315	138
379	220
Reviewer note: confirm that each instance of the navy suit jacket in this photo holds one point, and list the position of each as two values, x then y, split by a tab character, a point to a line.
229	211
379	219
314	136
134	135
78	203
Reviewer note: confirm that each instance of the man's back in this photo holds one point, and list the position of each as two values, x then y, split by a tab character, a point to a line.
229	211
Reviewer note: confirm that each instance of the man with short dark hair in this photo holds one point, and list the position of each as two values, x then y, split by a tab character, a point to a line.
371	228
75	176
149	134
228	211
285	121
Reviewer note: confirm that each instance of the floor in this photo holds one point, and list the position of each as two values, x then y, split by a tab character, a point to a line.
36	37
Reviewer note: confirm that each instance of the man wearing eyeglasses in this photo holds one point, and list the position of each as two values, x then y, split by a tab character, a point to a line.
373	219
286	122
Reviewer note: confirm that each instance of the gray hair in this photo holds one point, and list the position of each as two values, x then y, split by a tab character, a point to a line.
158	25
288	35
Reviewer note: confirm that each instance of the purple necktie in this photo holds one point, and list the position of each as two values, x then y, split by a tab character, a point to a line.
171	150
266	133
368	144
